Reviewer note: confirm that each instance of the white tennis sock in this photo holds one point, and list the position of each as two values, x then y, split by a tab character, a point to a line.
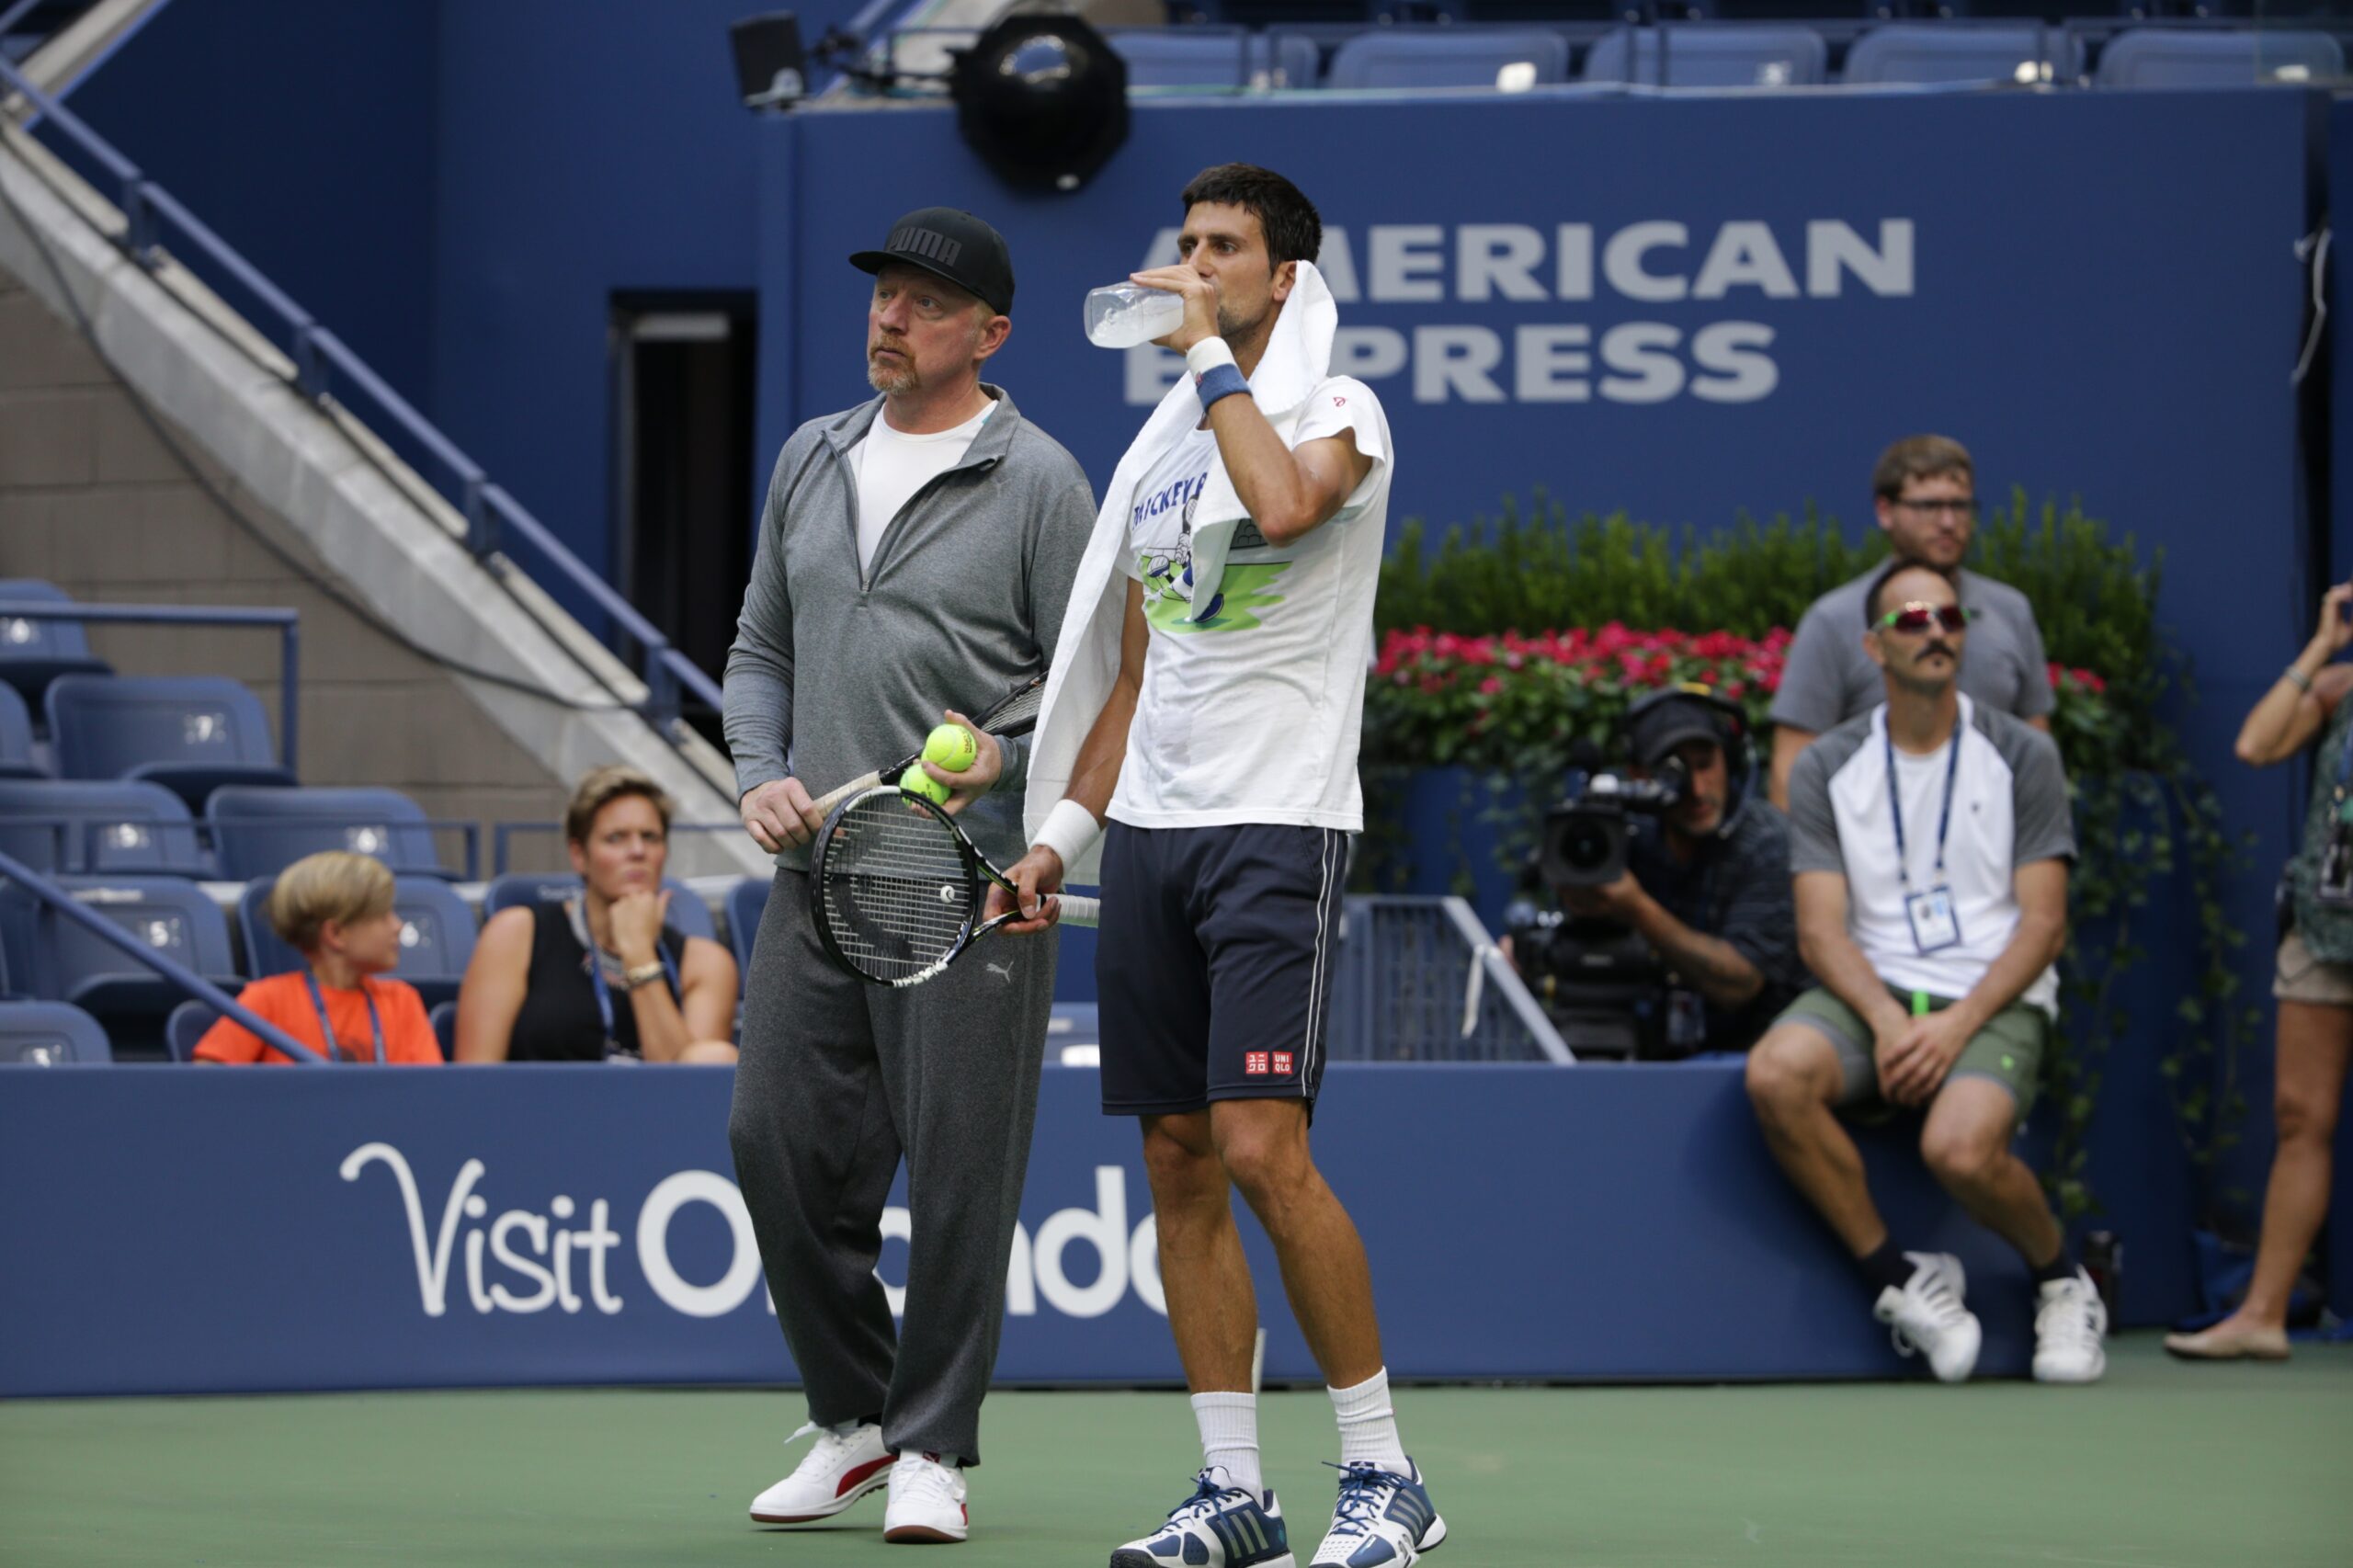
1368	1425
1229	1424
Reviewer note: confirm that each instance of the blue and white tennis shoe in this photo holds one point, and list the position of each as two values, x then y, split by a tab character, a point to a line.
1383	1519
1218	1527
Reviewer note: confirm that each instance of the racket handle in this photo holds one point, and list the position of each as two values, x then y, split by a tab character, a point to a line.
823	804
1080	911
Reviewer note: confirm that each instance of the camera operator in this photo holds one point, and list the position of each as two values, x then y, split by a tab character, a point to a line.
1701	877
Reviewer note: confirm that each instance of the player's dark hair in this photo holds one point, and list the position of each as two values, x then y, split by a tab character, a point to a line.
1894	569
1294	231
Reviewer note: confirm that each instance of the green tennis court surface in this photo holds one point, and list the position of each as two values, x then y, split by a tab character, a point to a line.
2163	1466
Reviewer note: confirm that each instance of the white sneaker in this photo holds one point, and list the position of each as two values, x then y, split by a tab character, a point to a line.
1927	1316
2068	1327
927	1502
1383	1520
847	1462
1218	1527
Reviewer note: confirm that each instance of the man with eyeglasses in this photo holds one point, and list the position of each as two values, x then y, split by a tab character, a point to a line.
1925	492
1929	840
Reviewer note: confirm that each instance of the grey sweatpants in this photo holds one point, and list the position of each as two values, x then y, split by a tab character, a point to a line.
838	1080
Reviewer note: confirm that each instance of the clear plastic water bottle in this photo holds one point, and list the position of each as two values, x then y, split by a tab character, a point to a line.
1121	315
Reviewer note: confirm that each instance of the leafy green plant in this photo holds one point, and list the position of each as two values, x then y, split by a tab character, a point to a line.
1536	567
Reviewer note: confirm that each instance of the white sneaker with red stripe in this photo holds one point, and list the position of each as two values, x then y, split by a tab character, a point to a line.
848	1461
927	1502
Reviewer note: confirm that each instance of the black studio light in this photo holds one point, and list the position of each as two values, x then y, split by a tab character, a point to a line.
771	69
1042	99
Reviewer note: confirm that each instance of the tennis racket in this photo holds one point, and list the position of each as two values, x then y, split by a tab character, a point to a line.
897	890
1014	714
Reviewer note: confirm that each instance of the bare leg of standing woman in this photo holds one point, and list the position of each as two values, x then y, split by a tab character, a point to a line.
2314	1043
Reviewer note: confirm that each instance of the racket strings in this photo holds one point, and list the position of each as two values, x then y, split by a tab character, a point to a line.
1017	712
894	888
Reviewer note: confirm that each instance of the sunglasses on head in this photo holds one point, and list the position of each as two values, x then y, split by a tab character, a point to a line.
1915	615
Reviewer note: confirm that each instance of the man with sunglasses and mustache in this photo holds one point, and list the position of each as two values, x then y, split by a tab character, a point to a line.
1924	492
1930	839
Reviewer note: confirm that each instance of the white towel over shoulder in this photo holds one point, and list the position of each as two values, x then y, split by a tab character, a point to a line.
1297	362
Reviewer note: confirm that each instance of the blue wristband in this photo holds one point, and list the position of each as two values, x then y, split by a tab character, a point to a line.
1219	381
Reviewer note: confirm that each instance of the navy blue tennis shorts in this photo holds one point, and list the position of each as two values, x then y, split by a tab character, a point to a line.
1213	963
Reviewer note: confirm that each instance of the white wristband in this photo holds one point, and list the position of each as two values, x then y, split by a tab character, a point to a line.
1068	829
1208	355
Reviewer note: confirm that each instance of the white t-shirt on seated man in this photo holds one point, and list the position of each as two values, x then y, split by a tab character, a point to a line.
1931	842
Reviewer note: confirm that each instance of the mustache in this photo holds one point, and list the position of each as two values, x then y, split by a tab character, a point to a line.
1944	648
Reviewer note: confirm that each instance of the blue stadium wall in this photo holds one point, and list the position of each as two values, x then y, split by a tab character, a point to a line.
2098	292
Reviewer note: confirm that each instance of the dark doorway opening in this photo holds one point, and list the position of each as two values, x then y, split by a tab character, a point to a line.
685	370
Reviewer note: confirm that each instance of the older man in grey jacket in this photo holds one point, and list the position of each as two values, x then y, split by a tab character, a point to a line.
913	559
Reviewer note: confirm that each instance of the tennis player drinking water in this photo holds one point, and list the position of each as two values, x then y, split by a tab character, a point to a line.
914	554
1205	699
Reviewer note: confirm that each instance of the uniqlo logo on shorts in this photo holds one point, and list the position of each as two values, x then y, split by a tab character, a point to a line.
1282	1063
1255	1063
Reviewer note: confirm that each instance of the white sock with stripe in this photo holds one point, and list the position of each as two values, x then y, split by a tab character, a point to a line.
1229	1424
1368	1425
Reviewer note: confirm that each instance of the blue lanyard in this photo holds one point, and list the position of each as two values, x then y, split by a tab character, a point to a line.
326	1029
1944	813
605	993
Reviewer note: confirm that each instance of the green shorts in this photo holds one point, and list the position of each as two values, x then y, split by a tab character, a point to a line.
2008	1049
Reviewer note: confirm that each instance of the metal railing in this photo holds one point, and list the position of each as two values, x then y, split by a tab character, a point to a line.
1419	980
372	835
290	679
66	905
503	833
325	364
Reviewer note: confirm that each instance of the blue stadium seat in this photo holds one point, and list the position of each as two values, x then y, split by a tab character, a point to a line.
17	757
444	1019
34	653
1214	57
185	1026
747	901
437	936
190	733
1465	58
1711	56
56	961
43	1034
1316	13
120	827
688	912
260	831
1941	53
1800	11
2162	57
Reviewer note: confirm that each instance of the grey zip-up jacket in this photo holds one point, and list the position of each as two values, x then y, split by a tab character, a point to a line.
833	674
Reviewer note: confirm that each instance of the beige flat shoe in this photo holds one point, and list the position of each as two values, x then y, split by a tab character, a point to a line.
2224	1343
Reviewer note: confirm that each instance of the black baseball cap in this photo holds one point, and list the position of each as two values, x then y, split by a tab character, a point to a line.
955	245
1669	721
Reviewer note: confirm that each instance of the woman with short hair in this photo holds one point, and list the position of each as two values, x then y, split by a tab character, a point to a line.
602	976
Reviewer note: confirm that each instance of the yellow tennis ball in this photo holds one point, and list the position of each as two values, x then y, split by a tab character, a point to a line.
915	781
950	746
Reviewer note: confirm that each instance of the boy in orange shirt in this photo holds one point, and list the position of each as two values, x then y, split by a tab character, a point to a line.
336	908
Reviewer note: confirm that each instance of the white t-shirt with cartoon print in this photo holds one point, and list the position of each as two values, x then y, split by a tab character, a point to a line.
1250	713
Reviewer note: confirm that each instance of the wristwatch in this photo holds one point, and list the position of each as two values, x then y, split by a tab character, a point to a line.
643	974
